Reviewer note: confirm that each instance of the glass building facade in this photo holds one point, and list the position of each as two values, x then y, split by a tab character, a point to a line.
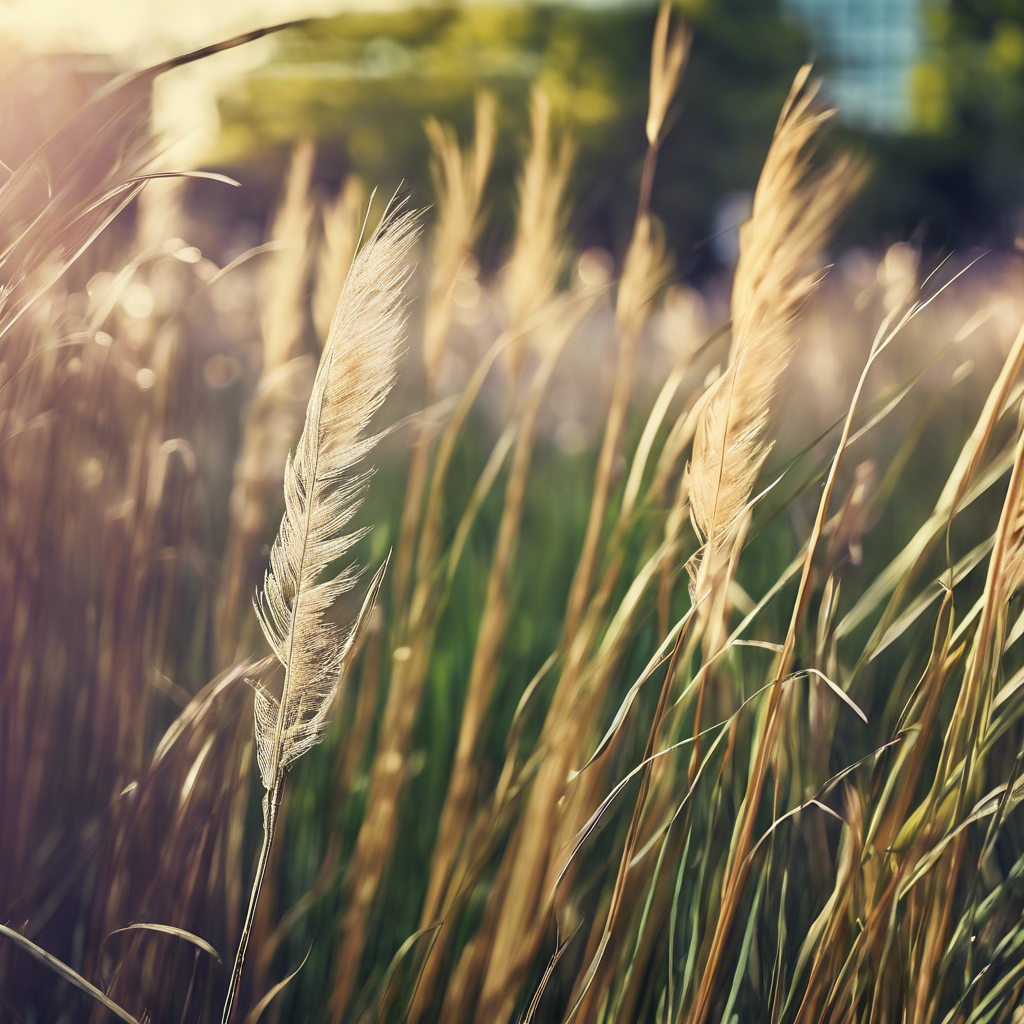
868	49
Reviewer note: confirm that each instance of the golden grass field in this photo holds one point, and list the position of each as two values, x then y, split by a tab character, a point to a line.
666	669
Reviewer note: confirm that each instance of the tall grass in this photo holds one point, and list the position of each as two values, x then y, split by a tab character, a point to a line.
718	719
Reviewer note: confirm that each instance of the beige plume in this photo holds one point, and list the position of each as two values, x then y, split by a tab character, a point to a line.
539	252
322	493
459	181
792	218
283	283
668	59
342	223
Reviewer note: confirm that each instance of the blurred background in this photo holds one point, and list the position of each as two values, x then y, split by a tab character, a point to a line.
930	92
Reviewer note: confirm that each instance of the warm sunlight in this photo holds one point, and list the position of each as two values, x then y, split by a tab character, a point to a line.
512	512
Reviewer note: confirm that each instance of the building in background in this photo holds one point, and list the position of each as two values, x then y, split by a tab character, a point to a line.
869	49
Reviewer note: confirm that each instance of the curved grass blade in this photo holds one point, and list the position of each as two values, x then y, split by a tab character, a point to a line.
268	998
61	968
167	929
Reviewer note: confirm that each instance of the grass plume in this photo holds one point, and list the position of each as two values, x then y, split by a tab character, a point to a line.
792	217
342	220
539	250
321	495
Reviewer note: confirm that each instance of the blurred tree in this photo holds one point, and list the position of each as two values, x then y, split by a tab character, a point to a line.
958	177
363	83
974	80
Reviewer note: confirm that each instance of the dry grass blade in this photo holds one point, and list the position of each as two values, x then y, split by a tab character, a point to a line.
1011	571
166	929
201	704
321	496
65	972
286	272
584	983
378	831
272	994
646	268
489	643
730	447
974	702
459	182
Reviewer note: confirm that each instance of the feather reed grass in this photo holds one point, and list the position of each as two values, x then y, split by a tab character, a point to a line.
459	178
459	182
321	495
539	252
791	219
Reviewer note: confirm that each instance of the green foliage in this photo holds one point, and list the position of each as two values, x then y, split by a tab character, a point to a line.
956	178
362	84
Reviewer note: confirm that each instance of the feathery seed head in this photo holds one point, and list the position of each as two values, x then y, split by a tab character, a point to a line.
668	61
647	266
793	215
322	494
459	181
342	223
285	274
539	251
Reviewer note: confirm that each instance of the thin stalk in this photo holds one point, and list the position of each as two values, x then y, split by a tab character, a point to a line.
273	799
